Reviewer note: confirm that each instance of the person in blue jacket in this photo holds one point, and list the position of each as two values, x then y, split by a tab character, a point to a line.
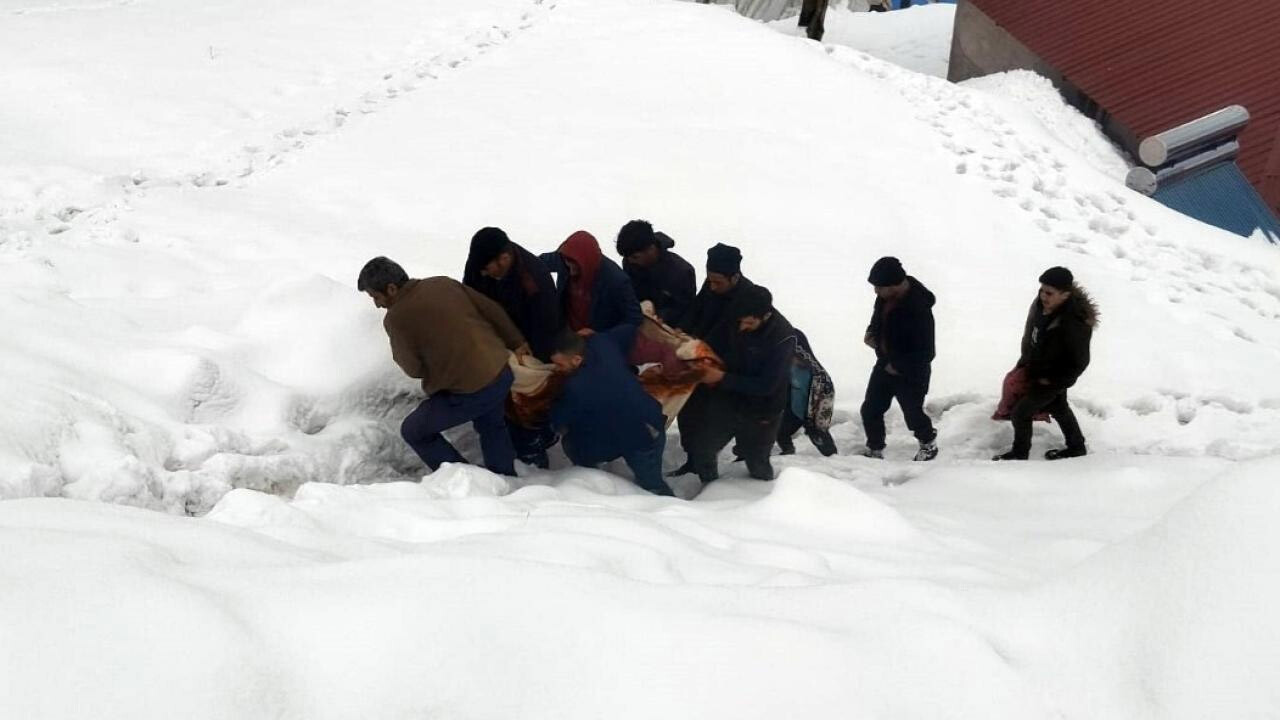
595	294
603	412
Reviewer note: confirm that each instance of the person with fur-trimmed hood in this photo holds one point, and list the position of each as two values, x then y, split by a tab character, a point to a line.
518	281
1055	353
901	332
657	273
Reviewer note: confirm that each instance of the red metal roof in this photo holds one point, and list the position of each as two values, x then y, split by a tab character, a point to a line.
1154	65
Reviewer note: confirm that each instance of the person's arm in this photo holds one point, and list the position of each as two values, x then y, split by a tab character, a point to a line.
497	317
545	317
1077	354
681	297
922	338
774	374
404	354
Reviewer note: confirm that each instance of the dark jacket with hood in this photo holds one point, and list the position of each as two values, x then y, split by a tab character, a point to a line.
602	295
1056	347
527	293
713	318
903	332
758	367
669	284
603	409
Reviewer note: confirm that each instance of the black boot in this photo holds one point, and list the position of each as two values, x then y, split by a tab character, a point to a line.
1011	455
787	445
1065	453
822	440
684	469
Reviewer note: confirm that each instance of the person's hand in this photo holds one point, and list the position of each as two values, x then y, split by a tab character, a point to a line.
868	340
892	370
586	332
712	375
523	351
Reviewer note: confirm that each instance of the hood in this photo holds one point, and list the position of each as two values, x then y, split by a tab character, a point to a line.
921	294
1083	306
583	249
664	240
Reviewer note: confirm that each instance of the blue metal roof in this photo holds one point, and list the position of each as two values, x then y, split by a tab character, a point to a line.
1221	196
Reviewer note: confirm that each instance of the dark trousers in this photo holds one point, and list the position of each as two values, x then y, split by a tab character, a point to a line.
531	444
813	16
484	409
1052	400
645	463
719	420
882	390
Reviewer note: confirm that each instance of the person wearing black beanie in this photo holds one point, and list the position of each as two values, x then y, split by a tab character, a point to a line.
1055	353
657	273
901	332
712	318
521	283
751	392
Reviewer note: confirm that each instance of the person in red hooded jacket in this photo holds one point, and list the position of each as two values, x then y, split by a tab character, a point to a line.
596	295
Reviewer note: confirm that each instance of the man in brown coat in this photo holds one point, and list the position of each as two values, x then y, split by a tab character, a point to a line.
457	341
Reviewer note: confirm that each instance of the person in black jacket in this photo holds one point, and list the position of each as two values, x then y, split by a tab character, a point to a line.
1055	353
713	319
512	277
657	274
901	332
752	390
603	411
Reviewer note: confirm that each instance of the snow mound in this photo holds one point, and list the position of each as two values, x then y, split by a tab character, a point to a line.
1180	617
813	503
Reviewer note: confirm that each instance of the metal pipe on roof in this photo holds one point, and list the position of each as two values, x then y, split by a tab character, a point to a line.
1188	138
1148	181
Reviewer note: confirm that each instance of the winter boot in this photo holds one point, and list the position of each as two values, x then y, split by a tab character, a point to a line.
786	445
873	454
684	469
821	439
1011	455
927	451
1065	453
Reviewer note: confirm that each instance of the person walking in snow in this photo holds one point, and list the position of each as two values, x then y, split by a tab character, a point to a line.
752	390
595	294
901	332
518	281
813	18
457	342
603	411
810	402
658	274
711	318
1055	353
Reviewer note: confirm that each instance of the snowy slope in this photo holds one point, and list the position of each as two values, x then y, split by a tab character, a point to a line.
180	229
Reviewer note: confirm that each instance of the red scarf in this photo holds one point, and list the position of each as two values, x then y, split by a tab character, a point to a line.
582	249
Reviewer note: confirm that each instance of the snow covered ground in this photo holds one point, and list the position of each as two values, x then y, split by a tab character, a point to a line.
187	191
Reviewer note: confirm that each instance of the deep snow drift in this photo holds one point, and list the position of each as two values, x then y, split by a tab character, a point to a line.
180	228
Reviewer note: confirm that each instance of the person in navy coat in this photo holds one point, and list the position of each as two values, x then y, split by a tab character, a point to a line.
603	412
596	295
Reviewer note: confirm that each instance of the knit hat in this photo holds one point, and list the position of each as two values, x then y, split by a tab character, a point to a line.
887	272
635	236
487	244
724	260
754	301
1058	278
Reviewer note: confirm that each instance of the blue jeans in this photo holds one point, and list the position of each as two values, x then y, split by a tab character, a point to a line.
645	464
484	409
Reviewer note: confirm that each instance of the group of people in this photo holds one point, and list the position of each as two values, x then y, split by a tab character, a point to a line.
459	339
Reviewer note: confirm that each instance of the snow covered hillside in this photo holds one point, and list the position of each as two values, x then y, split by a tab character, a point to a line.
187	191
